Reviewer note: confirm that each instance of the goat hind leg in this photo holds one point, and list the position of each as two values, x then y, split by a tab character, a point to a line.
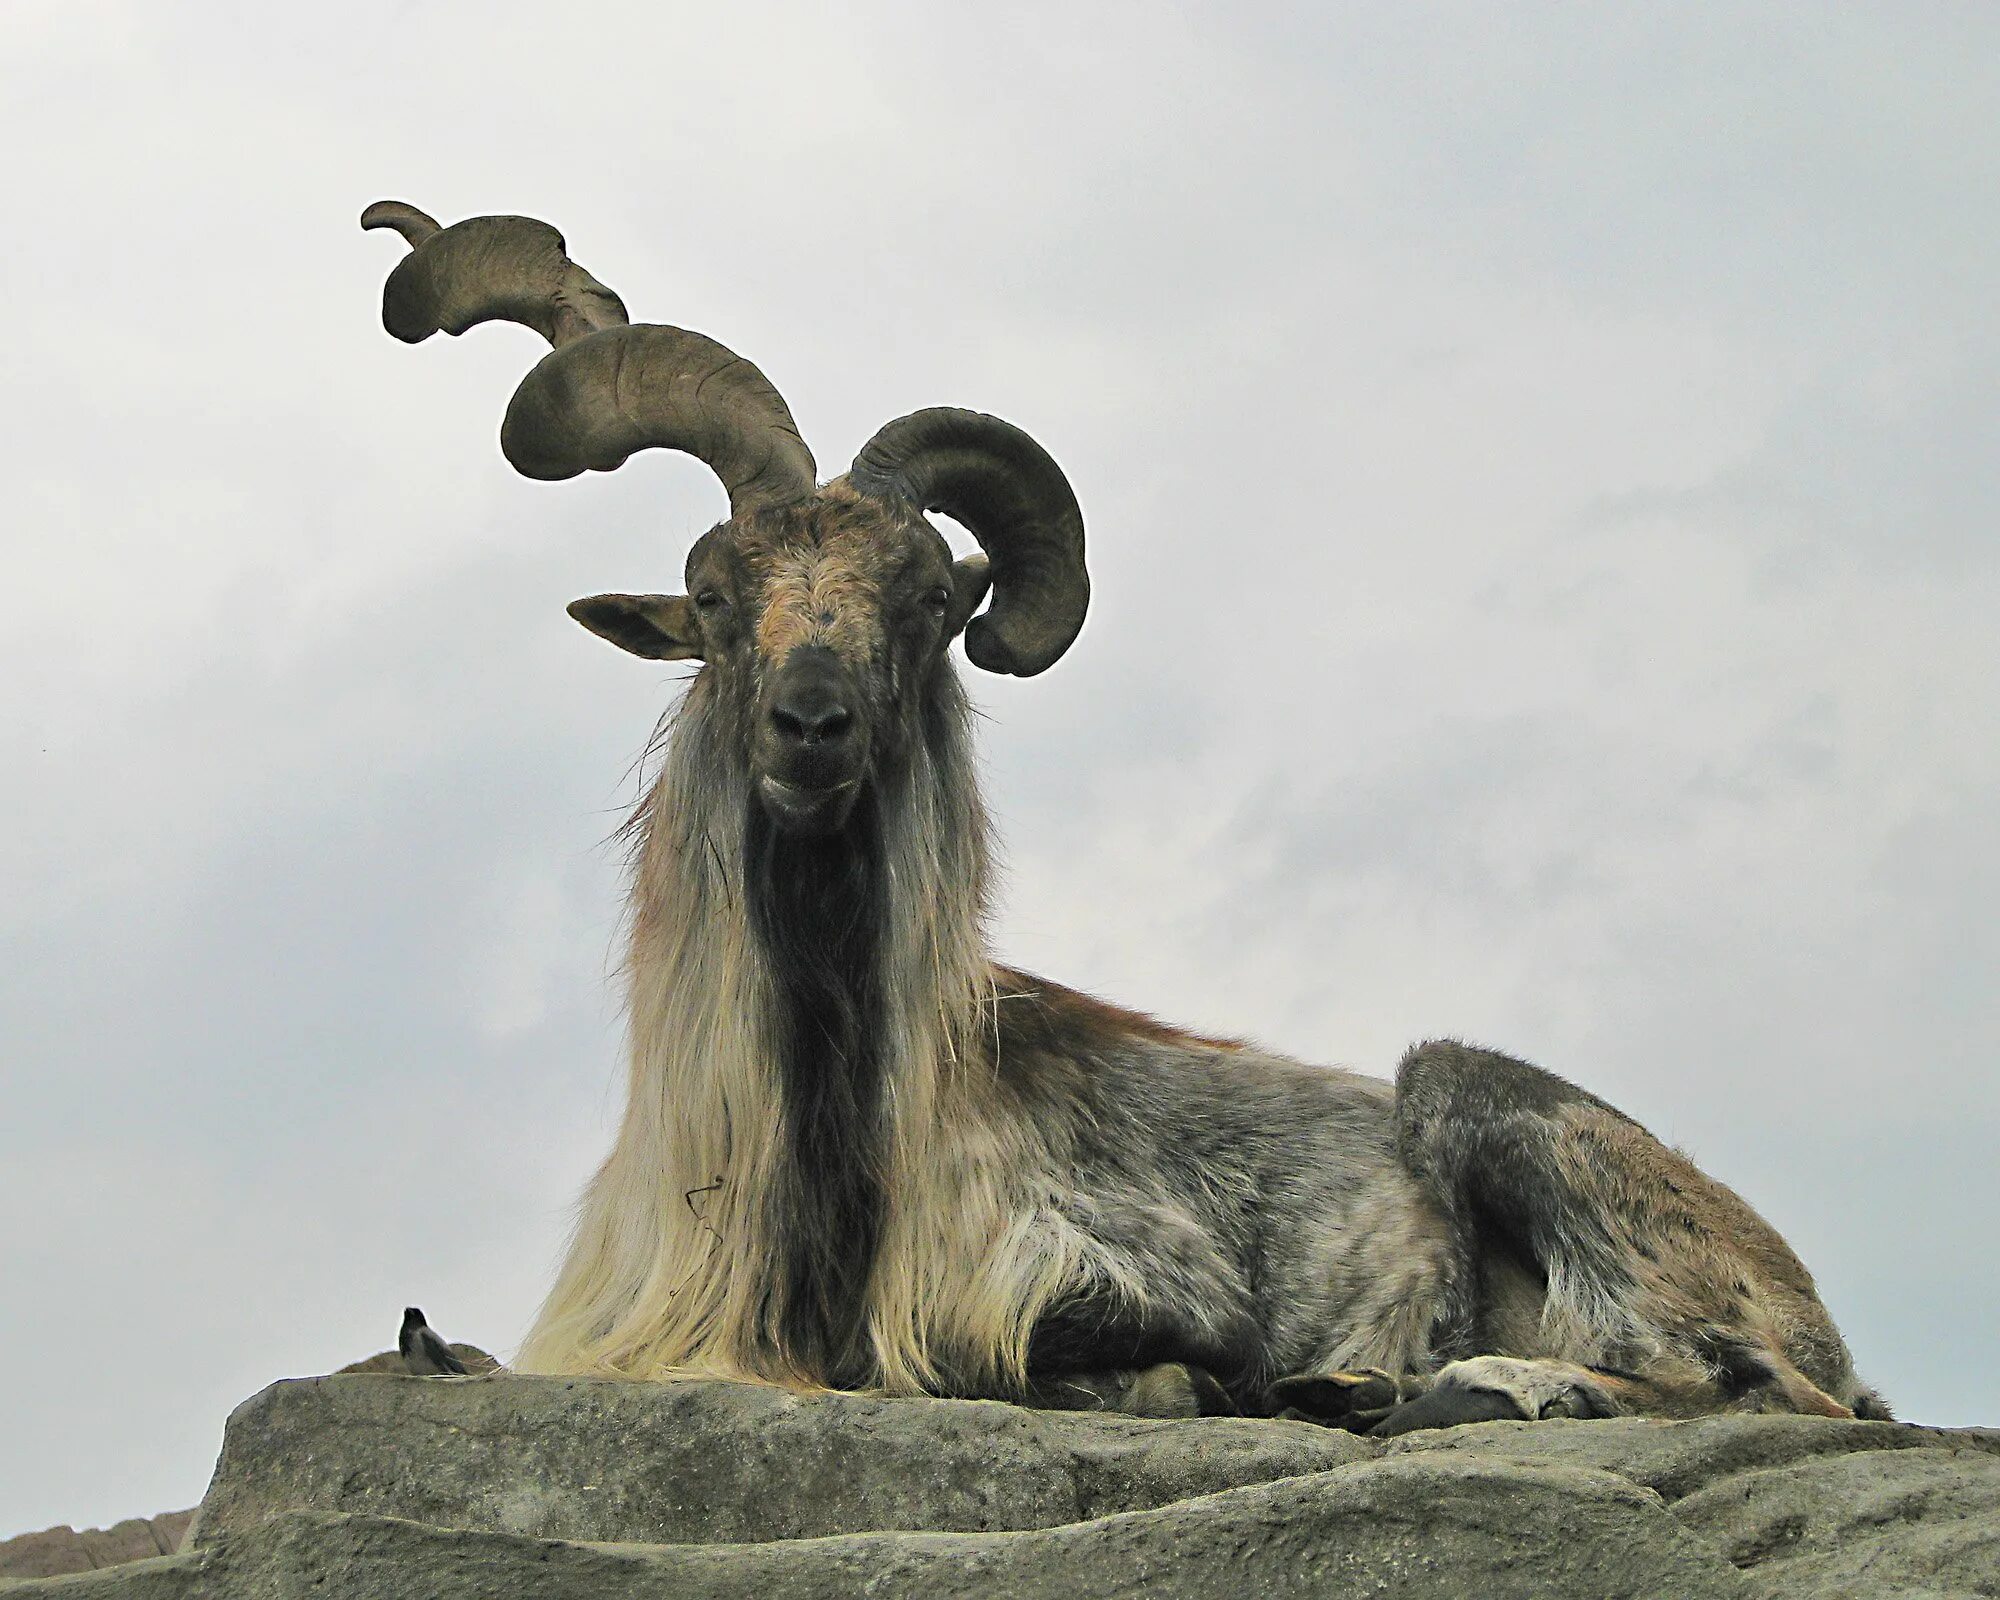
1663	1292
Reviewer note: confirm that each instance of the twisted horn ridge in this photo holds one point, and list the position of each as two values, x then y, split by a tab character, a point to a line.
608	388
1015	501
591	404
487	269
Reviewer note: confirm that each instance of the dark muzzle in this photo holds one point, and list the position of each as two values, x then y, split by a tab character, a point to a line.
812	746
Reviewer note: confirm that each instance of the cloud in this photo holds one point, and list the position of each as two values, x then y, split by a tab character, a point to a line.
1539	488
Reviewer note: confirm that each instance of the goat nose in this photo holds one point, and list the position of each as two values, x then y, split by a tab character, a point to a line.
810	714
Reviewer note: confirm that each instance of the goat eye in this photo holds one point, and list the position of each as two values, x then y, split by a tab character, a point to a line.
937	599
708	599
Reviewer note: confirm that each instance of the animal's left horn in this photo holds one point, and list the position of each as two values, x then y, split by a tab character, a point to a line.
1015	501
487	269
609	387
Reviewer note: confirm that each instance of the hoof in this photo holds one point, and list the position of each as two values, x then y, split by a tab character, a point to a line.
1502	1389
1447	1408
1355	1401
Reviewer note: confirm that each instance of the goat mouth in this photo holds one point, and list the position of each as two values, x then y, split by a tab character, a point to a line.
798	809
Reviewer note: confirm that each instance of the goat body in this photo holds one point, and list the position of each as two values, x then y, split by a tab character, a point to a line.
858	1153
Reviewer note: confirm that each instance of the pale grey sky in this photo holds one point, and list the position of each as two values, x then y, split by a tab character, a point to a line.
1541	483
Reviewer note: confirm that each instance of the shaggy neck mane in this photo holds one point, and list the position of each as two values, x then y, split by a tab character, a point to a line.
817	912
823	1177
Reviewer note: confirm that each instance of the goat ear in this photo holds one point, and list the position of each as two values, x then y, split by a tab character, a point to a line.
970	581
661	627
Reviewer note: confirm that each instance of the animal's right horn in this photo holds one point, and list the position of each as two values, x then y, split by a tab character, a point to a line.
608	388
1016	502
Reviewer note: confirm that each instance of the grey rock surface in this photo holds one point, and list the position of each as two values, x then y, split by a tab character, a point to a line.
714	1463
1928	1523
385	1485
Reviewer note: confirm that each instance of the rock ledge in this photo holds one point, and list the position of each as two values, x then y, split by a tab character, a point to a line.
377	1484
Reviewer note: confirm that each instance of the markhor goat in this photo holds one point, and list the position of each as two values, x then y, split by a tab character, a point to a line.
858	1154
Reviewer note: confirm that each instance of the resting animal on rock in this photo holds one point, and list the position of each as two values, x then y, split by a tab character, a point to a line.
857	1153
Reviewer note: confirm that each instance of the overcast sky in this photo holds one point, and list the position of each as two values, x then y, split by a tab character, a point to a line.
1541	478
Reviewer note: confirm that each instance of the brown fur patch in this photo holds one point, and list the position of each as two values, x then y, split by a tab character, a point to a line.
1070	1012
823	572
825	595
1738	1310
